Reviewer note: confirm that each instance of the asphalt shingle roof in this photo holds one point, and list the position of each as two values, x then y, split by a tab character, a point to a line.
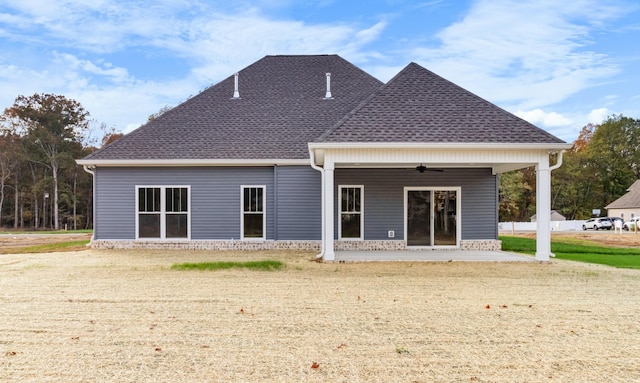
281	109
420	106
629	200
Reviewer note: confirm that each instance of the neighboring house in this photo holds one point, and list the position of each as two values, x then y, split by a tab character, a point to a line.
554	216
627	206
311	152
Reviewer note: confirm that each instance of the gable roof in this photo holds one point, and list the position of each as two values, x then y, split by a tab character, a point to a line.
419	106
282	107
629	200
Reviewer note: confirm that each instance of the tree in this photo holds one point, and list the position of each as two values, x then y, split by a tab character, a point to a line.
517	195
51	125
613	155
9	161
160	112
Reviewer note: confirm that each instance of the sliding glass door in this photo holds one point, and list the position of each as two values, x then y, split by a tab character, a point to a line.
431	216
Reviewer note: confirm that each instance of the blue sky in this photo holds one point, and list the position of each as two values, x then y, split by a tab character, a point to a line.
557	64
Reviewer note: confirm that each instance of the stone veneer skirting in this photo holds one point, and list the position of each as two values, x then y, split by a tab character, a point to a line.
206	245
474	244
382	245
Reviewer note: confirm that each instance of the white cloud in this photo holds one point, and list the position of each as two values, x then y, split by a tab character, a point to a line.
117	75
597	116
74	36
520	53
544	119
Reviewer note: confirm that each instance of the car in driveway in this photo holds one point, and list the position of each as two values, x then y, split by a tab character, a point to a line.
632	224
598	224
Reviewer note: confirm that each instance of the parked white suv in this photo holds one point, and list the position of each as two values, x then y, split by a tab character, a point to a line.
598	224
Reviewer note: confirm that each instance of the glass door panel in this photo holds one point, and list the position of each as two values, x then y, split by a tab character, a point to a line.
445	214
418	218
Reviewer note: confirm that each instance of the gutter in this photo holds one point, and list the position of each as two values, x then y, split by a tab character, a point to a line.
312	157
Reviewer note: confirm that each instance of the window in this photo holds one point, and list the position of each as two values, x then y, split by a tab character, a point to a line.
163	212
351	222
253	218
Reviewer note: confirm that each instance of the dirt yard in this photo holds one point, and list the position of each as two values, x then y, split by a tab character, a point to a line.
114	316
20	240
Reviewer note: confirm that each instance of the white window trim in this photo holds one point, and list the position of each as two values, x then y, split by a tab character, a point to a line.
458	191
264	213
361	187
163	213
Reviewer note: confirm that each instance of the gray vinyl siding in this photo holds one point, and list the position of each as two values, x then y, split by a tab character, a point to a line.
215	200
299	203
293	199
384	198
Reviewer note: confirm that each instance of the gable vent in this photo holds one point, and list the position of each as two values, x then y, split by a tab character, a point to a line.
236	93
327	95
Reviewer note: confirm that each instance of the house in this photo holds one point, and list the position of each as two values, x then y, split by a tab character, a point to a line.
554	216
311	152
627	206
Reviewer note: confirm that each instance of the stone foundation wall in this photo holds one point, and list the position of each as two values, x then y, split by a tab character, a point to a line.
207	245
382	245
481	245
477	245
369	245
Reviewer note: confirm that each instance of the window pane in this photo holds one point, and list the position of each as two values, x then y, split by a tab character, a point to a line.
169	199
258	192
176	226
149	199
247	199
350	200
149	226
356	199
253	200
141	199
350	226
253	226
176	199
345	200
183	200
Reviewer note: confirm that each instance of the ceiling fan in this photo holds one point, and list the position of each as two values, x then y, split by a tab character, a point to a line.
421	169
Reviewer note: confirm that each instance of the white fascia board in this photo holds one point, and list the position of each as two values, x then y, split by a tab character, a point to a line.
436	145
193	162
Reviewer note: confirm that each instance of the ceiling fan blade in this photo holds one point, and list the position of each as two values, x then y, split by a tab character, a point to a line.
421	169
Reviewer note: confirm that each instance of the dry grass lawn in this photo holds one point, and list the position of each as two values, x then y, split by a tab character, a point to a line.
116	316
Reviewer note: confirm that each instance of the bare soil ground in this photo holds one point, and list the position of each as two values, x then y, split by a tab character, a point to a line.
117	316
9	242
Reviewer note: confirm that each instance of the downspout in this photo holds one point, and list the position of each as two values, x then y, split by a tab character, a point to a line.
552	168
275	202
558	163
312	156
91	170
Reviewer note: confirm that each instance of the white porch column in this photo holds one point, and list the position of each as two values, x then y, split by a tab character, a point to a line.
543	210
329	253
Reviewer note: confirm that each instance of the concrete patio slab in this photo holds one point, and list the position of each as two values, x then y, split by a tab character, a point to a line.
431	256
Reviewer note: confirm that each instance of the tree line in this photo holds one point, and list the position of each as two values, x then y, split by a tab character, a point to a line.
599	168
41	186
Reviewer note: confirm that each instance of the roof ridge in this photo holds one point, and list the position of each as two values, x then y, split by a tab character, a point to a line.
307	55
